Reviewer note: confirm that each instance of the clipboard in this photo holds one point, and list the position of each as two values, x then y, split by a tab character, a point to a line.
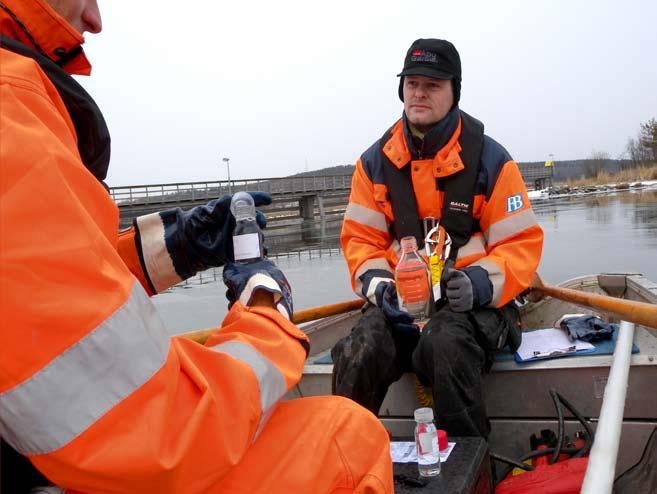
549	343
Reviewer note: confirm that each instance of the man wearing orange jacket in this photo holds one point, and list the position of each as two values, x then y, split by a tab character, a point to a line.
436	162
92	390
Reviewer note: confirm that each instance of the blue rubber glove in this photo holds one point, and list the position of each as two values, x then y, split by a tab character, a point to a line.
201	237
243	280
401	320
587	328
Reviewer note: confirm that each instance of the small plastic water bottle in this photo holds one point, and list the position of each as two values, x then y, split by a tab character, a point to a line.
426	441
247	237
412	281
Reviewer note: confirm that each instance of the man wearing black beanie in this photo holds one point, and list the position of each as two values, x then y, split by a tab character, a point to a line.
435	163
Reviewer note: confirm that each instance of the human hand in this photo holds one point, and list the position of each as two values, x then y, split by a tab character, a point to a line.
458	290
245	281
400	319
201	237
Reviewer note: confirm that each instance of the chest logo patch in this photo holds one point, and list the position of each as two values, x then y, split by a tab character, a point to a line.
513	203
459	207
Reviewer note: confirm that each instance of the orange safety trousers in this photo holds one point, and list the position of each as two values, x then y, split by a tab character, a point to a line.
297	451
303	439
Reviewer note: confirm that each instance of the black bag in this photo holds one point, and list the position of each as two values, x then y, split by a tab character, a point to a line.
642	477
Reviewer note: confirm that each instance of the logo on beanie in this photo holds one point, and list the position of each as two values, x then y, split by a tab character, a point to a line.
423	56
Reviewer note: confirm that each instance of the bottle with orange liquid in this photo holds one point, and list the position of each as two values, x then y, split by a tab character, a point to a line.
412	280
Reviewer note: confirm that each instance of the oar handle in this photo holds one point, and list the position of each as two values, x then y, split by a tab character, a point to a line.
628	310
305	315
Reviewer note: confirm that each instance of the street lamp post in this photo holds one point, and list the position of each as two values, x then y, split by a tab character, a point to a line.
230	187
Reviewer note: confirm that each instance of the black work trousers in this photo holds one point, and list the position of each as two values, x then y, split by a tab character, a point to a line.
451	355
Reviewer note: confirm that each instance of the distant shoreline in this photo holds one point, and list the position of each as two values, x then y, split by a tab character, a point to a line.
559	191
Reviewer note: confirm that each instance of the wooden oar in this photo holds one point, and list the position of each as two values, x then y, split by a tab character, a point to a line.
628	310
299	317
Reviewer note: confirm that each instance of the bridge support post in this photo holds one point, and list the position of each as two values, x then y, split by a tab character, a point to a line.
307	207
322	217
307	213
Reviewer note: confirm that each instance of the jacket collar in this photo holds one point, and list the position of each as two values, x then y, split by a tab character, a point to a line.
47	32
445	162
434	139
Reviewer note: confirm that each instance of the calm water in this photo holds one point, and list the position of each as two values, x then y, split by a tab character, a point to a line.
583	235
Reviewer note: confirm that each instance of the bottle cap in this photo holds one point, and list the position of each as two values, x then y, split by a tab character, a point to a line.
242	206
423	415
442	440
408	244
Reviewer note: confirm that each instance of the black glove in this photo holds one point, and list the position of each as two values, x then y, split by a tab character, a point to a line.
386	294
458	290
243	280
467	289
194	240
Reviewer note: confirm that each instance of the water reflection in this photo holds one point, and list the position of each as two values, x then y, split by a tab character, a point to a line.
583	235
591	234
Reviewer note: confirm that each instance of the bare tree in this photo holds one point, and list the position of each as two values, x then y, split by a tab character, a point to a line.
643	149
648	138
596	163
633	152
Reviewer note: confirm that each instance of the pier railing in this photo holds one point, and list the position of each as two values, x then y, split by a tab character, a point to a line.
207	190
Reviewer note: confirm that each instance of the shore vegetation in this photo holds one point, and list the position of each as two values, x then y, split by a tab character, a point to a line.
642	173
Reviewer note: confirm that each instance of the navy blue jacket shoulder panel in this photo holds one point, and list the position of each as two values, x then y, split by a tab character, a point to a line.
493	158
372	162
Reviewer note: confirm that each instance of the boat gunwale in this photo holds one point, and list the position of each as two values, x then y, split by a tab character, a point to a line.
645	338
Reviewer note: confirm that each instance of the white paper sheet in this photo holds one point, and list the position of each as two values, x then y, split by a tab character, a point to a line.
550	341
406	452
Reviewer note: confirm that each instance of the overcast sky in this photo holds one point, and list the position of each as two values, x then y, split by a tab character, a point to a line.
282	87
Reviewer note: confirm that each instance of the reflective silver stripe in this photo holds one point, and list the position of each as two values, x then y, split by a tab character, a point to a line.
377	263
510	226
496	278
474	246
270	380
366	216
58	403
156	256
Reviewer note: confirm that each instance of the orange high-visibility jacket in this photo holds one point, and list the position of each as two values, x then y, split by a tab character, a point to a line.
508	246
91	388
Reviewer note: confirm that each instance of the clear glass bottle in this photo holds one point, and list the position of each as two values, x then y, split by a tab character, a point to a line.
412	281
247	237
426	442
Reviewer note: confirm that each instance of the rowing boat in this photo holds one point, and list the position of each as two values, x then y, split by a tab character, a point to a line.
517	394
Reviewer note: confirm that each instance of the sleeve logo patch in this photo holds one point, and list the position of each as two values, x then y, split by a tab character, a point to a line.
513	203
